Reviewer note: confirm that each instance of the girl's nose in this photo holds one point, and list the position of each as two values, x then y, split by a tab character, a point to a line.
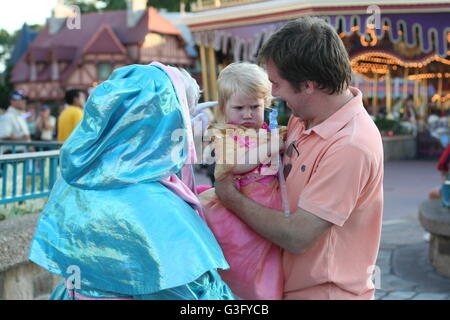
248	113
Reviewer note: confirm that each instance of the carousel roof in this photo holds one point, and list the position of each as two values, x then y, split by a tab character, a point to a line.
241	30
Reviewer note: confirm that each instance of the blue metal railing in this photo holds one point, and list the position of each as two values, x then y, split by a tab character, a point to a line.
25	176
32	146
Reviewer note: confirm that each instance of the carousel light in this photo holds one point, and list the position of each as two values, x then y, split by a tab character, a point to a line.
435	98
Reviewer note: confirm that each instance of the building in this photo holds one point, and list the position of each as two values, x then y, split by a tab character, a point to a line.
81	51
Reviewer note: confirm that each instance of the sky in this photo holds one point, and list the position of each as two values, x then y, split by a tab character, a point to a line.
14	13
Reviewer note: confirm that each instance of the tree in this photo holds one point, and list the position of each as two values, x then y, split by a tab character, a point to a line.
6	44
5	87
87	6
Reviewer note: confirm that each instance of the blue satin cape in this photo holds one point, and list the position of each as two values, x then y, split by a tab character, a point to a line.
108	214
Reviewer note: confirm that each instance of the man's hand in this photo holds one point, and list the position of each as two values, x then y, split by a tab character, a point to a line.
295	233
225	188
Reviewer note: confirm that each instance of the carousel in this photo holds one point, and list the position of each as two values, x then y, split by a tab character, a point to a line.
399	51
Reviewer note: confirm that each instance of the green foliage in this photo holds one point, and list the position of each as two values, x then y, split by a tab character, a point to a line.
5	87
7	41
386	125
85	7
109	5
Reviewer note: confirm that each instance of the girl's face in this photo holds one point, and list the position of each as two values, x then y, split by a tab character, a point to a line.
245	110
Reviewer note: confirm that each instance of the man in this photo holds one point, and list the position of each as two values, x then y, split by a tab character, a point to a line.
333	167
13	126
72	115
45	124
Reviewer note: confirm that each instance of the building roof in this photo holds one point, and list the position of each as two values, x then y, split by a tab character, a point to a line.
25	38
278	10
240	30
99	32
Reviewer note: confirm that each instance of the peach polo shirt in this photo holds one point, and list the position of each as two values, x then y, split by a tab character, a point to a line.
337	175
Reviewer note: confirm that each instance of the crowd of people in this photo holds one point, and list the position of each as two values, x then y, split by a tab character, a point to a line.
25	122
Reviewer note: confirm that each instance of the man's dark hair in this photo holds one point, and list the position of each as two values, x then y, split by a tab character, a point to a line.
71	95
309	49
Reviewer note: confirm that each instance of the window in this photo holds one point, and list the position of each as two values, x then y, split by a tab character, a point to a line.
103	71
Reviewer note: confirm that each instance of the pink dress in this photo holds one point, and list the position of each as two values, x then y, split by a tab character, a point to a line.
255	263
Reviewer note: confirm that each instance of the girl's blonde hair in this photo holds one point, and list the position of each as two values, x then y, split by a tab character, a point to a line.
245	78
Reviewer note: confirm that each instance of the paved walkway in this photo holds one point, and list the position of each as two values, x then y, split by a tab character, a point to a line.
405	271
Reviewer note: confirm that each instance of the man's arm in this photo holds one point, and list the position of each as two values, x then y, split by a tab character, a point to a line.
295	233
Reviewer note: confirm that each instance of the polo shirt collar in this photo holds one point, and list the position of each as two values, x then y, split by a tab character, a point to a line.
14	111
340	118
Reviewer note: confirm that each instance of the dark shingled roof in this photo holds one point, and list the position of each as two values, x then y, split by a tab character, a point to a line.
109	29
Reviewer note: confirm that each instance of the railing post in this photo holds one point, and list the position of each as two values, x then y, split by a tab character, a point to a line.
43	164
33	176
24	177
14	186
53	172
4	171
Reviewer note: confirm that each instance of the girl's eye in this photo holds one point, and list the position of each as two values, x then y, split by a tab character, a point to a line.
238	108
255	107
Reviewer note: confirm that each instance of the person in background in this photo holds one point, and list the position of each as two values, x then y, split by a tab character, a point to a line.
72	115
30	117
13	126
45	124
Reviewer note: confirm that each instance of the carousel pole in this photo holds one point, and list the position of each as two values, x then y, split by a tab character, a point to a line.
375	96
439	92
424	105
425	90
405	83
204	67
213	72
388	92
416	91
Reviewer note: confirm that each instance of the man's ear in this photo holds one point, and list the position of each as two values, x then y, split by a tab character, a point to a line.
310	86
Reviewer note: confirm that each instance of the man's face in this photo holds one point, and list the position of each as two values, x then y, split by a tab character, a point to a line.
20	105
45	113
295	100
80	101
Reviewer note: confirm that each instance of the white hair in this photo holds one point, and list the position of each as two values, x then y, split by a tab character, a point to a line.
191	87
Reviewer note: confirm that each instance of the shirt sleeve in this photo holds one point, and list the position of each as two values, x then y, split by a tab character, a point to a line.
337	183
5	128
